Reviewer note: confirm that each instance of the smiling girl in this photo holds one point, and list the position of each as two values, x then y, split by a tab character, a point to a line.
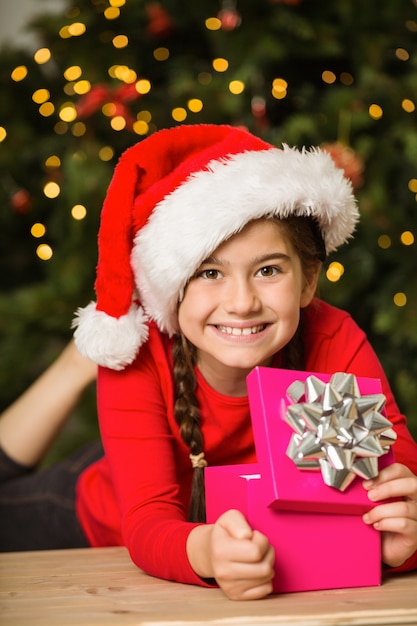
210	247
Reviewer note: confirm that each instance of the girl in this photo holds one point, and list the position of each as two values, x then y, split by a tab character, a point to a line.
221	236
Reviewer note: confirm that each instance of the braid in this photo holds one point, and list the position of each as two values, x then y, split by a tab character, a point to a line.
187	415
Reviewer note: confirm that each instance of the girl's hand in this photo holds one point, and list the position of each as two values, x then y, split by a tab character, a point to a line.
242	559
396	520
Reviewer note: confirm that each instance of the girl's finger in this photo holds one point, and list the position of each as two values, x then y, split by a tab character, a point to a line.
402	509
405	487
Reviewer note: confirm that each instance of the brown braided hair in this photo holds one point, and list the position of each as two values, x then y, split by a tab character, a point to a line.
187	414
306	239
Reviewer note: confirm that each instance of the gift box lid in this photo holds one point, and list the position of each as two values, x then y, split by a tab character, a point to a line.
288	486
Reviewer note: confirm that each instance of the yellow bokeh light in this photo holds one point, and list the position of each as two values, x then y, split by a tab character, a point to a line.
44	252
384	241
280	84
220	65
328	77
120	41
46	109
106	153
117	3
278	95
412	185
123	73
143	86
42	56
3	133
112	71
108	109
79	129
69	89
140	127
130	76
400	299
38	230
236	87
19	73
408	105
60	128
335	271
78	212
64	32
179	114
195	105
346	79
407	238
375	111
111	13
76	29
213	23
53	161
118	122
411	25
68	112
279	88
144	116
40	96
51	190
402	54
118	71
161	54
73	73
82	87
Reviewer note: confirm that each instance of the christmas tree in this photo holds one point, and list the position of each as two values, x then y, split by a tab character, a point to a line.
110	72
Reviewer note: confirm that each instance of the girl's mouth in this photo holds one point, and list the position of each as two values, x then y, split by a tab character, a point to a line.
239	332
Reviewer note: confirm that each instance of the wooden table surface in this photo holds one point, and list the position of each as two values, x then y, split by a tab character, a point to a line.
102	587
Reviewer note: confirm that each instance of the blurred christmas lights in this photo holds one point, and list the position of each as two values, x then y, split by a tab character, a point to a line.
38	230
375	111
113	101
44	252
78	212
400	299
335	271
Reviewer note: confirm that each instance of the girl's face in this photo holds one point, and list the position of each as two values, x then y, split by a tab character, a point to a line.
243	304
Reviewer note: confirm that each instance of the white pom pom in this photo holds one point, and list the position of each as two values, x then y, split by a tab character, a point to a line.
109	341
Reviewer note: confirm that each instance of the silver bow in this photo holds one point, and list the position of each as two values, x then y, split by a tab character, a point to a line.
336	429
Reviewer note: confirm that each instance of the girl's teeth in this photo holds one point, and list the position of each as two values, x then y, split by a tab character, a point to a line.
231	330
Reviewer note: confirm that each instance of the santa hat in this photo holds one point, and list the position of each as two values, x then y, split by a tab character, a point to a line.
174	197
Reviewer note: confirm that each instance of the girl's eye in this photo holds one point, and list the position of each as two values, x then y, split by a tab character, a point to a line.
210	274
268	270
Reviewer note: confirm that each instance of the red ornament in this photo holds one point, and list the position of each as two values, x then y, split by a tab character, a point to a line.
348	160
21	201
160	22
229	18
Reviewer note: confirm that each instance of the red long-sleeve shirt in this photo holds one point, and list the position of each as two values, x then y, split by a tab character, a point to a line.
138	494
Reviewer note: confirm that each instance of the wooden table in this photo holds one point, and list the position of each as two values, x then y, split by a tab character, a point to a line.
101	586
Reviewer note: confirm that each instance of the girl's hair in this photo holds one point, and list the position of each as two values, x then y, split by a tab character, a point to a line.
305	237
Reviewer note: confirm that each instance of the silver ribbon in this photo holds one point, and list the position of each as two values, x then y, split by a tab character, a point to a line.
337	430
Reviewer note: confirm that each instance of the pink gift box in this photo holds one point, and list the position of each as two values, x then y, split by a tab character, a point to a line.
317	531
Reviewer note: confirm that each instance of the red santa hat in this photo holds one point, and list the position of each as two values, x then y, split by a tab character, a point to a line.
174	197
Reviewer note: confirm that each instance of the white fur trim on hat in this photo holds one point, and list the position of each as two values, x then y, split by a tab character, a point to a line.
110	341
214	203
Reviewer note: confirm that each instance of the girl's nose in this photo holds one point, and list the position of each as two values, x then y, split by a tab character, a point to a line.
242	298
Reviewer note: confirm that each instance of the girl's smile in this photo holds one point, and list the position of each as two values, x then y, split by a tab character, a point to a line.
245	331
243	304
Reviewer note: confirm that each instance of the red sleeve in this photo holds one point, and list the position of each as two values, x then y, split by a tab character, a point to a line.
135	414
335	343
